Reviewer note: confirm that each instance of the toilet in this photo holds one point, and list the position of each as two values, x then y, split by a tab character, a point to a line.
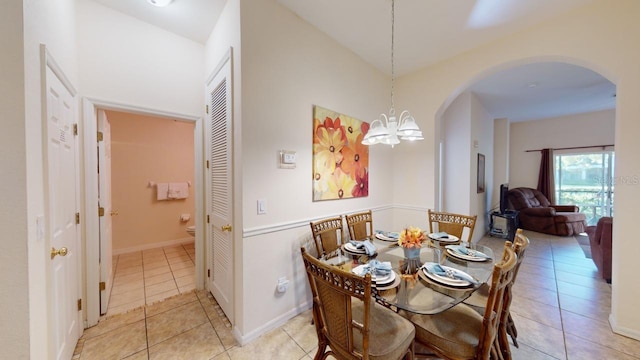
191	230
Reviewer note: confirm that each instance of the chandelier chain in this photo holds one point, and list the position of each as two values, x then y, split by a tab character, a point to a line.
393	17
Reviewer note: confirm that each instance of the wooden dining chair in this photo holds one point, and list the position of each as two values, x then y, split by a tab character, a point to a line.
327	235
347	320
360	225
479	298
451	223
462	332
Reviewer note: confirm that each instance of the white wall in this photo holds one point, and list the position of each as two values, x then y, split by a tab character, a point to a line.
127	61
287	67
481	143
600	36
457	166
14	293
501	139
596	128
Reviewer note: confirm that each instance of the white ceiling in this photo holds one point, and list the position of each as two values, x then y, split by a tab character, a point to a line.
426	32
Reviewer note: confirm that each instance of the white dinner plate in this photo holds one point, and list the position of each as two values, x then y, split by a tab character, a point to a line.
449	238
447	280
384	237
451	250
352	249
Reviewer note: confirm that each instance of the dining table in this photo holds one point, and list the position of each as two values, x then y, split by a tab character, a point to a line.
410	285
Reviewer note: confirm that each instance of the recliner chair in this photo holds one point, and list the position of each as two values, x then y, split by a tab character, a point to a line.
536	213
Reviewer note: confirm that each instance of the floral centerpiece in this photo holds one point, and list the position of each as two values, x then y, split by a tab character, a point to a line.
411	237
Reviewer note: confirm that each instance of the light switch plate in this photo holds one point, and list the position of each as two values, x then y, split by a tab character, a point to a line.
262	206
287	159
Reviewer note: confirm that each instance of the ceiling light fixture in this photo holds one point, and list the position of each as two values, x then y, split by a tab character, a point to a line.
160	3
386	129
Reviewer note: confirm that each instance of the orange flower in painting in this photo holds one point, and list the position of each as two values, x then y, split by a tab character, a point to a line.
411	237
355	158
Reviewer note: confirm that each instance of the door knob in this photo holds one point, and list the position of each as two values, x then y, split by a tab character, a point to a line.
114	212
62	252
226	227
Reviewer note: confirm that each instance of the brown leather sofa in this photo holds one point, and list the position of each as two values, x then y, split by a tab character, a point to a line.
536	213
600	240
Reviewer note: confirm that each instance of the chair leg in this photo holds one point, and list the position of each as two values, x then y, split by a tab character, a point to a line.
512	331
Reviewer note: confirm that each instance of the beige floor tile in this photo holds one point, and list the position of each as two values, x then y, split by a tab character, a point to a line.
127	297
135	269
111	323
125	308
186	288
302	331
524	352
586	308
170	304
126	286
222	356
535	293
157	271
128	278
276	344
160	287
581	349
533	310
116	344
201	342
185	272
122	264
174	322
185	280
179	258
140	355
545	339
152	280
583	292
182	265
150	265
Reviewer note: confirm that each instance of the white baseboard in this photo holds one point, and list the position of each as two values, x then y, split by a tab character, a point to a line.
273	324
634	334
181	241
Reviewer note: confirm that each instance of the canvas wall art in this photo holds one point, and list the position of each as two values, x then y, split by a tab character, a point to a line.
340	161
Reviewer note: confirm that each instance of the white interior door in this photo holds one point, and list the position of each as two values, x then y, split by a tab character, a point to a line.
104	203
61	217
219	197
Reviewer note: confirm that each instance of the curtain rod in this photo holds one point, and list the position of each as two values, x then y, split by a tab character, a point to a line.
575	147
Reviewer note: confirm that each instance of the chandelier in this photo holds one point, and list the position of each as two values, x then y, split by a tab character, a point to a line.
389	129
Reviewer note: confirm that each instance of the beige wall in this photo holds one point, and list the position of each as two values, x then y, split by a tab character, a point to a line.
14	293
600	36
596	128
148	149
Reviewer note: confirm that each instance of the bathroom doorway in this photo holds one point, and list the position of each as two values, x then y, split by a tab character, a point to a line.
153	256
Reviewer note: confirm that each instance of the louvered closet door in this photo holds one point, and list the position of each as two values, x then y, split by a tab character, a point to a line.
220	191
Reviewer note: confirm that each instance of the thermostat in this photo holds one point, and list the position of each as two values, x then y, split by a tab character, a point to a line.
287	159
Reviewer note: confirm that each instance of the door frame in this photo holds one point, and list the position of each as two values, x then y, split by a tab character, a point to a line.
91	219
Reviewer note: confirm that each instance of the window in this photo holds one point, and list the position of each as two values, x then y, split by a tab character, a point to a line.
586	180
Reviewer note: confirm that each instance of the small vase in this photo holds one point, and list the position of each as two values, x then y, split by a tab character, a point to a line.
411	262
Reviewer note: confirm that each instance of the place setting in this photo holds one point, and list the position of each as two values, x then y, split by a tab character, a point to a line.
360	247
391	236
443	237
462	252
447	276
381	273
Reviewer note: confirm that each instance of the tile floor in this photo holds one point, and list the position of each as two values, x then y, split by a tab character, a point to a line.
144	277
560	309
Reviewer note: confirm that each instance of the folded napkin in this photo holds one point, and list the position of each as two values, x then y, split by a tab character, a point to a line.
441	235
389	234
436	269
368	246
374	267
470	252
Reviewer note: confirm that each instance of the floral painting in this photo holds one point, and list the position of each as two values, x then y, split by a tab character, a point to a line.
340	161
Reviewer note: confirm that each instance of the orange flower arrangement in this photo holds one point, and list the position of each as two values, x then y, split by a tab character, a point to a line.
411	237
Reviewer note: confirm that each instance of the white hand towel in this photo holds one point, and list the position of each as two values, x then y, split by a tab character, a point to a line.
178	190
163	191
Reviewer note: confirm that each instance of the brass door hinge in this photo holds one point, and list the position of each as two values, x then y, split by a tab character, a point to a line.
103	286
100	136
75	129
207	219
100	211
79	304
208	273
207	164
207	108
77	218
